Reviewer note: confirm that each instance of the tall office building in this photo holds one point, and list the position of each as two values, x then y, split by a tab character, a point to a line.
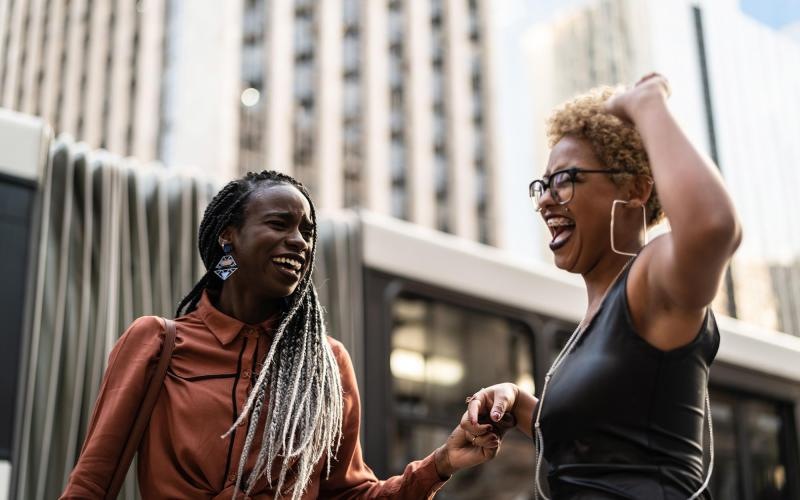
383	104
89	68
734	86
151	79
380	104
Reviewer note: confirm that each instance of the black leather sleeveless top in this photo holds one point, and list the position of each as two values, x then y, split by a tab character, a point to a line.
623	419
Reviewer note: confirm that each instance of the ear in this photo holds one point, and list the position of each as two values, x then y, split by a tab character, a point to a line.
226	236
640	189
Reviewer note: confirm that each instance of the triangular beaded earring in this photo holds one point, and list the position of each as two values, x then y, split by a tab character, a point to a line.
227	264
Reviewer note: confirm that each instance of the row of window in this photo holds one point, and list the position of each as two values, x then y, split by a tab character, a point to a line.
304	84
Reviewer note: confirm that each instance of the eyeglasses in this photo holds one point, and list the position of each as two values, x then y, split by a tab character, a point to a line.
561	185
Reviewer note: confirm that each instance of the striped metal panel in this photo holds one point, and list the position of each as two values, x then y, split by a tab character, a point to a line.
117	241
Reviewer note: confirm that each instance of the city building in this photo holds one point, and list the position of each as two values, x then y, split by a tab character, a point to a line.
385	105
91	69
153	80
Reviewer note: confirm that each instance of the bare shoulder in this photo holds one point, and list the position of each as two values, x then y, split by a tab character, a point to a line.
656	318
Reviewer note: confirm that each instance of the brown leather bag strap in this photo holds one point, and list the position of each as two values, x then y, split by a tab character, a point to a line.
143	416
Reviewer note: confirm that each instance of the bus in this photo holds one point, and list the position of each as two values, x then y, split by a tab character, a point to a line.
431	318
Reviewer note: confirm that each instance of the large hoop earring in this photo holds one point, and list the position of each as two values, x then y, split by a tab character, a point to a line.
227	264
644	228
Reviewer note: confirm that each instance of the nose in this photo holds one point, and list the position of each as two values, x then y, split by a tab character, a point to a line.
545	200
296	241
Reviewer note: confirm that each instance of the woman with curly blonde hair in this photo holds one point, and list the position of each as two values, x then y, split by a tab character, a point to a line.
622	408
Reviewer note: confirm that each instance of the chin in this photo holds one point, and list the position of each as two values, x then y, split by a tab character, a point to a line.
567	263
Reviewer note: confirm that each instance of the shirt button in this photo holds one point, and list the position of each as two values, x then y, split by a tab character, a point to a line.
231	477
246	373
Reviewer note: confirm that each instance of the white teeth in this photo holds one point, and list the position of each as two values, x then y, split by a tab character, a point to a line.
295	264
559	221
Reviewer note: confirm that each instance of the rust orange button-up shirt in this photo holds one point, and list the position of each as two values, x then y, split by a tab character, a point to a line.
211	372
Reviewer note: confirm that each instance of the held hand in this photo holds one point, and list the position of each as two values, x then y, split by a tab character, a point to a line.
495	400
651	88
464	449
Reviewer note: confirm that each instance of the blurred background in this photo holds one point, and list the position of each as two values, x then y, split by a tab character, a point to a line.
415	119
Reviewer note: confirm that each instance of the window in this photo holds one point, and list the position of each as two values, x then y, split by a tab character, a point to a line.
751	456
434	349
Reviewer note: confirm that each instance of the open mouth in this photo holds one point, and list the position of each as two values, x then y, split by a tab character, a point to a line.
561	229
288	265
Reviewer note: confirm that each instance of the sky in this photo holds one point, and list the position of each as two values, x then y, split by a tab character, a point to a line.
774	13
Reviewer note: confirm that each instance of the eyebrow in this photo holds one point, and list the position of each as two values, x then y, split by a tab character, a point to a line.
288	215
546	175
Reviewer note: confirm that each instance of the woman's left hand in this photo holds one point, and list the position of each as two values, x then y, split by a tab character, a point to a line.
463	449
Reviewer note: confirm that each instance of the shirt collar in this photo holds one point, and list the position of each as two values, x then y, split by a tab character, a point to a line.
227	328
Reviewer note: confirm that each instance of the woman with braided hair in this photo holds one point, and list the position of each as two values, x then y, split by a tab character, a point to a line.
252	363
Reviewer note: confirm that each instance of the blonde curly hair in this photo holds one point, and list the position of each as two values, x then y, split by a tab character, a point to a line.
616	143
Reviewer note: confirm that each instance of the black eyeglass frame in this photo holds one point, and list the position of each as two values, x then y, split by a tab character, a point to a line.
573	172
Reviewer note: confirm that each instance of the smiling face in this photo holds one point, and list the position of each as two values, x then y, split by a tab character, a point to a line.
579	228
273	244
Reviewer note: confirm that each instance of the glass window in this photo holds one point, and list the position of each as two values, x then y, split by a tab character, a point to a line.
350	12
750	452
724	480
351	97
435	348
763	423
350	48
397	159
303	80
398	199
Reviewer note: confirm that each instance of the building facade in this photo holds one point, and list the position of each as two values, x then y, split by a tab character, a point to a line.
89	68
379	104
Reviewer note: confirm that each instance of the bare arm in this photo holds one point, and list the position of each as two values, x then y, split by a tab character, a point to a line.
681	270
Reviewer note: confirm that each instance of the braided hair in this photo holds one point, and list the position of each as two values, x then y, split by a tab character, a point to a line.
300	375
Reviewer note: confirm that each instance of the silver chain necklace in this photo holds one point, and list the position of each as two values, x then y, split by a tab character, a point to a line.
565	351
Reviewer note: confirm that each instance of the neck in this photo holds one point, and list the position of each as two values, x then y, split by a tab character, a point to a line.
246	307
601	276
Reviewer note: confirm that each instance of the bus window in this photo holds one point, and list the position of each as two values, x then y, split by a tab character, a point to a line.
762	424
441	353
724	480
750	452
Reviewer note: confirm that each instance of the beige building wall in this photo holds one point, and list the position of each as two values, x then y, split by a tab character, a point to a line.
420	127
278	66
199	106
328	155
376	108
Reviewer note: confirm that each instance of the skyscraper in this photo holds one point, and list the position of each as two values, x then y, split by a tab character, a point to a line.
383	104
89	68
379	104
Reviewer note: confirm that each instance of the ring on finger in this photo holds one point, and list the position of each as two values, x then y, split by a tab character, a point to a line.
469	399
